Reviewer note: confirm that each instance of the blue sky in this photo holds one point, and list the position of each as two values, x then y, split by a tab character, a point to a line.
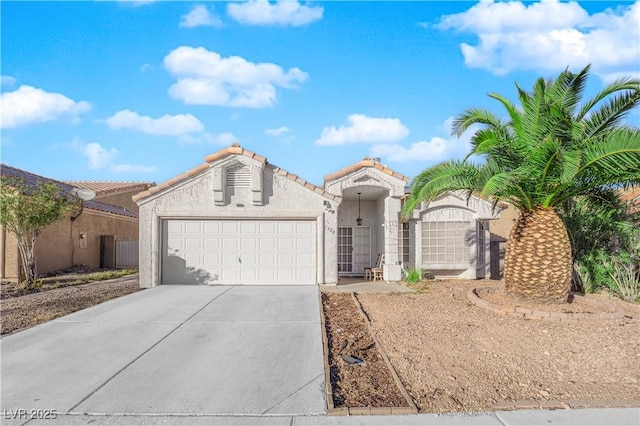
142	91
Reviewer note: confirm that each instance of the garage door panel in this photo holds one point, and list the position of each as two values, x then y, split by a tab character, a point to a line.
305	228
285	275
248	275
303	275
194	259
267	243
212	258
212	228
176	227
304	259
303	244
193	227
230	227
249	227
211	243
286	227
193	243
230	243
266	228
175	244
248	243
239	252
285	243
267	275
266	259
284	259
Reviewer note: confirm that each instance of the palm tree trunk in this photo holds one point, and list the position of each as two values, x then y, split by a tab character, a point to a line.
537	263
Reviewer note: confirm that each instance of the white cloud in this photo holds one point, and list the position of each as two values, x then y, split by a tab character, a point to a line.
363	129
220	139
435	149
167	125
29	105
7	80
283	12
431	150
224	139
101	158
549	36
206	78
200	16
278	131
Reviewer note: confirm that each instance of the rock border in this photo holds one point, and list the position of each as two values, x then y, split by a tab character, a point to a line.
350	411
474	296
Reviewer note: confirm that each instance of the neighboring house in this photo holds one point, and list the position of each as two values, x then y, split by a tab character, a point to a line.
85	237
114	193
237	219
632	196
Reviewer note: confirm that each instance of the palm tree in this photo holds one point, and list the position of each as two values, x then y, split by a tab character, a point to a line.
550	150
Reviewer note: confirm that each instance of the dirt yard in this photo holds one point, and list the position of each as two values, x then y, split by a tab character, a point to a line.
57	298
366	384
454	356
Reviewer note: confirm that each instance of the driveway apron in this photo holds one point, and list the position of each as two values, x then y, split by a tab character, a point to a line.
174	350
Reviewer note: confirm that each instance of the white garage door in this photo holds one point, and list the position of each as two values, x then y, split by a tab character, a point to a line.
239	252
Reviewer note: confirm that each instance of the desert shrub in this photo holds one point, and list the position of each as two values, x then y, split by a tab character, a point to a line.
33	285
625	281
414	275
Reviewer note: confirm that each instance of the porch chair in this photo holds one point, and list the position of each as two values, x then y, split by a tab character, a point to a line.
375	272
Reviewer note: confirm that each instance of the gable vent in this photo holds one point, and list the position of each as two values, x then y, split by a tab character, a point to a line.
238	177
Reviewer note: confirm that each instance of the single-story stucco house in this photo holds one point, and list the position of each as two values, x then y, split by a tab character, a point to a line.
238	219
87	236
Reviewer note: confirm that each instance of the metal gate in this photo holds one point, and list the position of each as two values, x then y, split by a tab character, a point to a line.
126	253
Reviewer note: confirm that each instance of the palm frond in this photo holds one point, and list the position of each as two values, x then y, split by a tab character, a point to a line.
437	180
609	115
514	112
613	160
621	84
472	116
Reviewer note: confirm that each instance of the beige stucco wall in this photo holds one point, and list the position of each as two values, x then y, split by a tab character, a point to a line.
501	227
9	256
59	246
122	199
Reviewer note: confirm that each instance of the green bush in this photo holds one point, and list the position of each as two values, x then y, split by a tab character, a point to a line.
414	275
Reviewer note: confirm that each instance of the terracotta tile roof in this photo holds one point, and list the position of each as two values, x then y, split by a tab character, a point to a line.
366	162
109	187
234	149
33	179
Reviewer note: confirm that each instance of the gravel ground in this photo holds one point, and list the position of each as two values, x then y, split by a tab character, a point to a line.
22	312
454	356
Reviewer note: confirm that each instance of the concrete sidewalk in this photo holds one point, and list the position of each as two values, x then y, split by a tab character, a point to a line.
587	416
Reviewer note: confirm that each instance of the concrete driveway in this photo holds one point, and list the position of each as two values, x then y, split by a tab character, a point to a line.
174	350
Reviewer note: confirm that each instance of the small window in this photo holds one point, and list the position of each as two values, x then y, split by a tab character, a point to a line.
238	177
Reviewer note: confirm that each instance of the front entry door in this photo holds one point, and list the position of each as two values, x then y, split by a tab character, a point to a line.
354	250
